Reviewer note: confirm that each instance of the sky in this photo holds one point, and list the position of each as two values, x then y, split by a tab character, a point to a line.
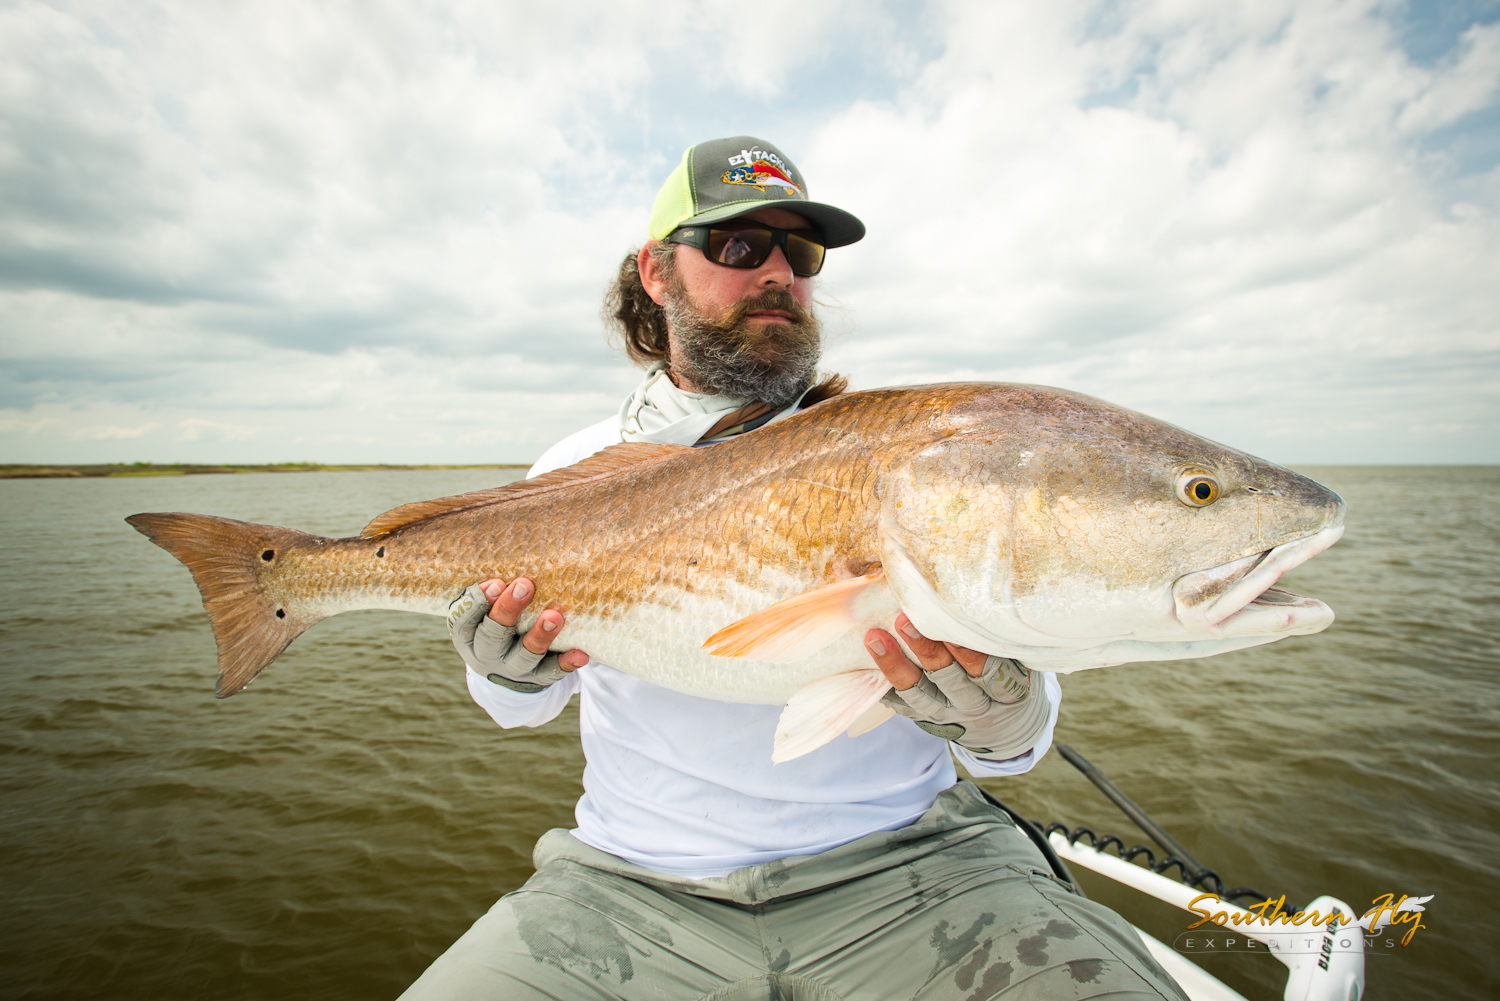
381	231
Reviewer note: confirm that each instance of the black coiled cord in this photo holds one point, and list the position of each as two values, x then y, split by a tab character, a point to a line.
1204	879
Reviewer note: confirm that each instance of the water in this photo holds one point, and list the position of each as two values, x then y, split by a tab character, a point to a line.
327	833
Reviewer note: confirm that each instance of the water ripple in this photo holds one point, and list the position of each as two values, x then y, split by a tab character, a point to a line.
327	833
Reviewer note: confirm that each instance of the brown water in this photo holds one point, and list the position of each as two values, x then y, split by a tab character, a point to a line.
327	833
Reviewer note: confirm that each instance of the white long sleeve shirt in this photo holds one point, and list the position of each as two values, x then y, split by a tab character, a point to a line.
685	785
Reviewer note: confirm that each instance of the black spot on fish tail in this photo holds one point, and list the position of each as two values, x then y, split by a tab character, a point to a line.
228	560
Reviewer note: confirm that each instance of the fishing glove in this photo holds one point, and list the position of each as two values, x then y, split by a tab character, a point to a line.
495	650
1000	714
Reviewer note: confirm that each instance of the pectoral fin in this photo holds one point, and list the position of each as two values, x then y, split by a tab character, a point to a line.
819	712
871	718
797	627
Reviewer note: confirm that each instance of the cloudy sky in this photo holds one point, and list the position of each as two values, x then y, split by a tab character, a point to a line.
379	231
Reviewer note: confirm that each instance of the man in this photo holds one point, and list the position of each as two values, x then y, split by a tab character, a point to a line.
699	868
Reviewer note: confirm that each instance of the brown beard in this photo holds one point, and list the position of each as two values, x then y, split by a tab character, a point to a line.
736	356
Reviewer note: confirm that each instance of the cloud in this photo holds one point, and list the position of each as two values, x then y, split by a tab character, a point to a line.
1466	84
380	232
25	426
111	432
1205	212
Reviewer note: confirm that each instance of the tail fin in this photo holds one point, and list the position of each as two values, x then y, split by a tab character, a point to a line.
230	562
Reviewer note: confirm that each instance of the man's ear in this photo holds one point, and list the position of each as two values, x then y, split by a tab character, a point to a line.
651	275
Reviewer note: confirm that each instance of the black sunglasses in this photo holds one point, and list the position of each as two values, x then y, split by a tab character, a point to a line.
740	243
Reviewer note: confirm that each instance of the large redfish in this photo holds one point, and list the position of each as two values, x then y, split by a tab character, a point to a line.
1031	522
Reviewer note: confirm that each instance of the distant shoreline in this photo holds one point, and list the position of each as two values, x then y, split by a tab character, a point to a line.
41	472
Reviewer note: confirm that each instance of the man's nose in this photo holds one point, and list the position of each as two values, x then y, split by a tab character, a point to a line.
776	270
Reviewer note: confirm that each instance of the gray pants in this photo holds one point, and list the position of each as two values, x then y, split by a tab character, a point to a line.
960	904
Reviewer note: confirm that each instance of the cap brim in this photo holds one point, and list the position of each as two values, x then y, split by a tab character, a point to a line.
839	228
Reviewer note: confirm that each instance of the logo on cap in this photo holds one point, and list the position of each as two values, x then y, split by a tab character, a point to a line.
760	169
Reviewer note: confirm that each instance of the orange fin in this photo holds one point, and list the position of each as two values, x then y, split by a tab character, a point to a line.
819	712
226	558
604	463
796	627
871	718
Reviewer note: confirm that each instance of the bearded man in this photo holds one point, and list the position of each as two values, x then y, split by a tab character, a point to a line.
699	869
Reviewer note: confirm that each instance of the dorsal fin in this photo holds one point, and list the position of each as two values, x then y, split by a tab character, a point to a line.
604	463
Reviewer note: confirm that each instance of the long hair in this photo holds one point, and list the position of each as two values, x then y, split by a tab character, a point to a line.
632	314
641	323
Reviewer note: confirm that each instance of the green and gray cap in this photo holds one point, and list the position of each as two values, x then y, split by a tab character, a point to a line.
725	178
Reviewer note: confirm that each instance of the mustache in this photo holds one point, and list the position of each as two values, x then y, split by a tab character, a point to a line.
731	322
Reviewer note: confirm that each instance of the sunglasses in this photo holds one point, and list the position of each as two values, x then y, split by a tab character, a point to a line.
743	244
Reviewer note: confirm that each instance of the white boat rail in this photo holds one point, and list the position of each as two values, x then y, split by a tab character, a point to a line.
1326	960
1324	965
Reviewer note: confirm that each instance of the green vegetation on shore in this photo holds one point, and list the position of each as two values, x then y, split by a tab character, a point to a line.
14	472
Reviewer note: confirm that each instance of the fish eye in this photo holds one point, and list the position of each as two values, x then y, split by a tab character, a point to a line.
1196	488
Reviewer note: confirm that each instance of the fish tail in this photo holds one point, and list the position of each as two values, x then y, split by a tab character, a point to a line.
232	562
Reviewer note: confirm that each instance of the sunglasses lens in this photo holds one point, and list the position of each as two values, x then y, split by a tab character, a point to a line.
749	246
739	248
804	252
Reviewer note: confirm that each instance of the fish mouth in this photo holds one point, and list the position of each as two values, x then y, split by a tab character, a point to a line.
1237	599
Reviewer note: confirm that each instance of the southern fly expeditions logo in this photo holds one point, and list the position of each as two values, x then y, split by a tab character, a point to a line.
1268	927
761	169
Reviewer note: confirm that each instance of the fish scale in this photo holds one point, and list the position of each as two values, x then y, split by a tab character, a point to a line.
1022	521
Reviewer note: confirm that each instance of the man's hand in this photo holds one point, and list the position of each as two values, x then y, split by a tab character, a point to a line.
482	624
989	705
